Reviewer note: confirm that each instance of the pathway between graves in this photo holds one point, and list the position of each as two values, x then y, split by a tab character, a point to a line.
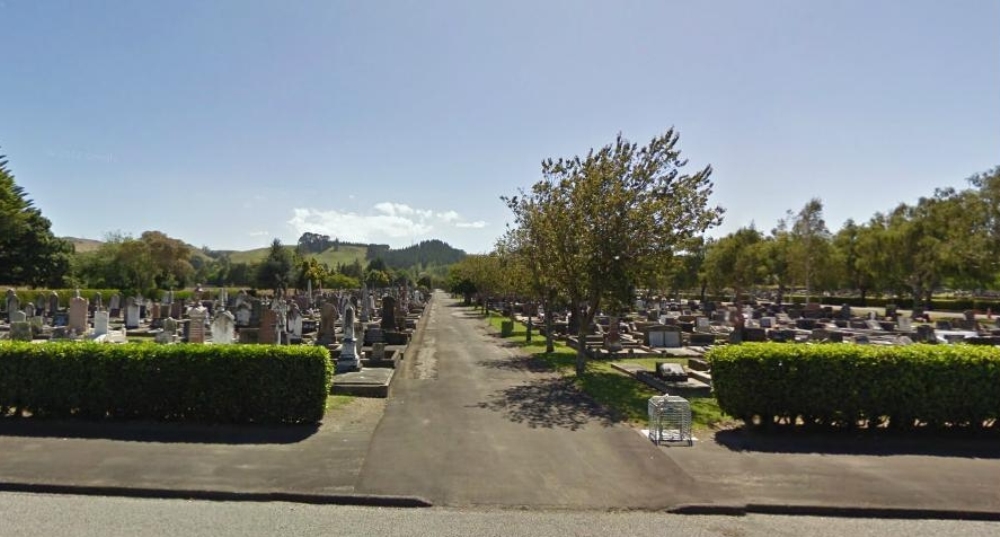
469	423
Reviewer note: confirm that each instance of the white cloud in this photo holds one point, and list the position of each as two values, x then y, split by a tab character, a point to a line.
395	223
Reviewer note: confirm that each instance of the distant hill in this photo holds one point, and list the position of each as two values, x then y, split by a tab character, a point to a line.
331	257
83	245
432	252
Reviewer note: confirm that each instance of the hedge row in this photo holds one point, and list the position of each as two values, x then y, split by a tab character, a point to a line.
847	385
203	383
29	295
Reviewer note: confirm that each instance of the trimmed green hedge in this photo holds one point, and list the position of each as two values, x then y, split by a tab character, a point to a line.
203	383
848	385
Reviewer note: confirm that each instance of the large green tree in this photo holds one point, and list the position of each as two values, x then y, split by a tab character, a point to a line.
613	218
735	262
29	253
275	272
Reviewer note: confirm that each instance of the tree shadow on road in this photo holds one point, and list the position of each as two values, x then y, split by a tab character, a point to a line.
518	363
549	403
879	442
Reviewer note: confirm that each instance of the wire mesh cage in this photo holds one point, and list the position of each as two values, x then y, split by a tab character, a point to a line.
669	419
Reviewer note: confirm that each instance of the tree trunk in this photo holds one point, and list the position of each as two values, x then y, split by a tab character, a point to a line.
527	334
550	345
581	341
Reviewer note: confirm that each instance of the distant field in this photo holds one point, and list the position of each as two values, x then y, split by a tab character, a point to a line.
345	255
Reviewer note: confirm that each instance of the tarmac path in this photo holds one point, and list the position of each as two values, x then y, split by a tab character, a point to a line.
469	423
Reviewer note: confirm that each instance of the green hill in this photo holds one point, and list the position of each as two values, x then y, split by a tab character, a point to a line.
330	257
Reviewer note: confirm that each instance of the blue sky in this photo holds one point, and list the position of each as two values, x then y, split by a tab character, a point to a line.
229	123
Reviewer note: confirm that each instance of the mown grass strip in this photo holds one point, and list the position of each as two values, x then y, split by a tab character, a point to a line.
606	385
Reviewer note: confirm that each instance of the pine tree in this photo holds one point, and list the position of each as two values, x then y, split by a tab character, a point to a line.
29	253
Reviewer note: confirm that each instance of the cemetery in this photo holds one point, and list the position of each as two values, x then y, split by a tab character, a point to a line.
811	364
358	337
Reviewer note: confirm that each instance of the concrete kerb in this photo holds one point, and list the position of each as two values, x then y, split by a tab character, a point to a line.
835	511
367	500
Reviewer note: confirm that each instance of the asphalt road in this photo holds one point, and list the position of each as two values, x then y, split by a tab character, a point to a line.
30	515
468	424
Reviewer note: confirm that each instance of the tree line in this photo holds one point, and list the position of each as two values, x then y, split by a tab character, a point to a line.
600	229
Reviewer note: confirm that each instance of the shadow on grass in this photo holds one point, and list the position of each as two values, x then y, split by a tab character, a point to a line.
879	442
550	403
157	432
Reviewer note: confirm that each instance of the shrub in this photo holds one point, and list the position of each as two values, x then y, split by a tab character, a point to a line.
204	383
848	385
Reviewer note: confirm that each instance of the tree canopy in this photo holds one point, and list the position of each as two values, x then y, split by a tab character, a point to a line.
602	223
29	253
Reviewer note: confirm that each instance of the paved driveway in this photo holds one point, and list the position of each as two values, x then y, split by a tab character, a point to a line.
470	423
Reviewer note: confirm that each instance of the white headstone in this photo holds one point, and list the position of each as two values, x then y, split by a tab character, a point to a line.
101	321
295	323
223	328
905	324
132	315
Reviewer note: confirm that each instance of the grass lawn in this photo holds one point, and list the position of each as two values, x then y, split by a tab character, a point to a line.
610	387
334	402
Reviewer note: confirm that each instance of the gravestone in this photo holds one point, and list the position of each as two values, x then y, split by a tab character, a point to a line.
767	322
373	334
196	324
943	324
388	322
223	328
53	304
326	334
348	351
29	309
294	322
243	314
169	332
378	352
17	316
701	340
131	314
754	335
101	322
904	324
13	303
663	336
269	327
671	372
925	334
873	325
702	324
20	330
60	319
78	314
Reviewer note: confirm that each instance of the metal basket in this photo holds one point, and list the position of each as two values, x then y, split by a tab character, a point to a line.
669	419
